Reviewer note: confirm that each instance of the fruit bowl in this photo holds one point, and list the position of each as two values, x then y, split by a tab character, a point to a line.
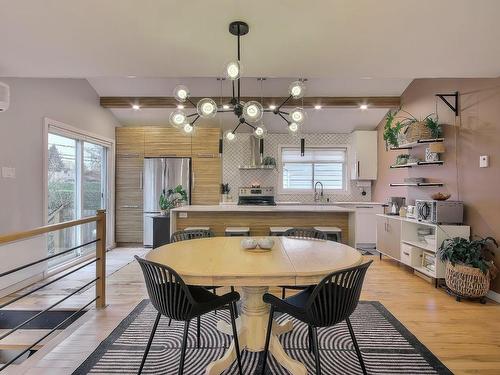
440	196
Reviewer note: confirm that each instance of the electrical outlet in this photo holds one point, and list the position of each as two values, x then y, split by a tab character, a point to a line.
484	161
8	172
183	215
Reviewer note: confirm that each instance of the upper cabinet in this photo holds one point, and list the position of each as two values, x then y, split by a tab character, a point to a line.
206	143
364	155
163	141
130	142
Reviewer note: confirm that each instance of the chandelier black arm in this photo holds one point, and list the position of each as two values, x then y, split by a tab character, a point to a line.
190	101
253	127
196	119
233	88
192	114
284	118
286	100
236	128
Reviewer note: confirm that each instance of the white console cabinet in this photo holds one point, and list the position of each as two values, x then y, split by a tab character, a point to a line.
398	238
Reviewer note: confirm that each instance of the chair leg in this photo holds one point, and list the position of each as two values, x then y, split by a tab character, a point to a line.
155	326
310	339
358	352
235	337
198	325
236	314
183	349
268	338
283	293
316	350
169	322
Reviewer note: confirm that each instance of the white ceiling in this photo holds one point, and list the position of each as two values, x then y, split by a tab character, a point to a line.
294	38
344	47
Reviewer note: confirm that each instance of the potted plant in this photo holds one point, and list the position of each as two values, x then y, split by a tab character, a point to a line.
469	266
409	127
402	159
391	131
224	190
173	198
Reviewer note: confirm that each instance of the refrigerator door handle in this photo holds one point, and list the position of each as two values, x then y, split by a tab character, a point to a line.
192	180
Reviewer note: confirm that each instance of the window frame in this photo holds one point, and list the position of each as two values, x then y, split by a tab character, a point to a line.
81	136
346	185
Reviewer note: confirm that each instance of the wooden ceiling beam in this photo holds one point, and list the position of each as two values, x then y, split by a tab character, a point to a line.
308	102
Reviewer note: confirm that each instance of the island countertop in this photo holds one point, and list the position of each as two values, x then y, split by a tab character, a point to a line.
250	208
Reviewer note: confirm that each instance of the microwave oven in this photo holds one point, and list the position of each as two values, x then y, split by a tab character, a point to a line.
439	212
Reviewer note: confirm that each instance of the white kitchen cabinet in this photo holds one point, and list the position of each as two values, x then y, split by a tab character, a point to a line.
365	223
364	155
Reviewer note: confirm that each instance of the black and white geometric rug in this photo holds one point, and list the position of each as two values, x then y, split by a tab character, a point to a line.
387	347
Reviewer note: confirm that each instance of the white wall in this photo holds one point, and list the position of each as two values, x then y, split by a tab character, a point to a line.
71	101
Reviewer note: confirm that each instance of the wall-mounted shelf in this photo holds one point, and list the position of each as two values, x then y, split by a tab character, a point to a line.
418	184
409	146
256	167
417	164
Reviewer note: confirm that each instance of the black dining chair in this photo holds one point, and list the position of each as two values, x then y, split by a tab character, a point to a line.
304	233
332	301
171	297
186	235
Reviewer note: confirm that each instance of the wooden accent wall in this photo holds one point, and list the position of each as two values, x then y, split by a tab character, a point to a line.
259	222
135	143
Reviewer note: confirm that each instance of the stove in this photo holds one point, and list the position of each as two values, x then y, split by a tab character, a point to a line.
256	196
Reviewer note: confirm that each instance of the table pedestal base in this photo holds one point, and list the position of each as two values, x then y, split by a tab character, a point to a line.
252	326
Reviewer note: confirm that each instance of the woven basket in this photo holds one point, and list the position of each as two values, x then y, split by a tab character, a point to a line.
467	281
417	130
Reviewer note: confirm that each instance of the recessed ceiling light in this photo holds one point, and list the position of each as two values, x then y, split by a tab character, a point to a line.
317	106
136	107
131	76
363	107
180	106
225	106
272	107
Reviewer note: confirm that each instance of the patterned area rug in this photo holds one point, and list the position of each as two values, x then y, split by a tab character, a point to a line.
387	346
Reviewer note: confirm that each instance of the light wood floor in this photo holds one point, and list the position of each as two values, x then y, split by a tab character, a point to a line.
464	336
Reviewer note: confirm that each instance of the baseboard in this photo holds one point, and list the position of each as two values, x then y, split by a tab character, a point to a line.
493	296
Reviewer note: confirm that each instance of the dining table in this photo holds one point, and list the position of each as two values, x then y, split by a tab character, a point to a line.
223	261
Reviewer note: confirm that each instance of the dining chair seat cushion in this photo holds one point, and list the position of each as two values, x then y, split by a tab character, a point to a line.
206	301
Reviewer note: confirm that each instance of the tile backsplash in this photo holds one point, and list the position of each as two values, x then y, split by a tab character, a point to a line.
238	152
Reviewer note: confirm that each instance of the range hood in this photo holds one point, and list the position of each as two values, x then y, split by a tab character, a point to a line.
256	155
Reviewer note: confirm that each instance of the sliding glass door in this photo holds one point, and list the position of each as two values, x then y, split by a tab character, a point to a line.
77	184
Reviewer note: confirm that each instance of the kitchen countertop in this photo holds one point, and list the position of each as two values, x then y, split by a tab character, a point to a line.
332	203
278	208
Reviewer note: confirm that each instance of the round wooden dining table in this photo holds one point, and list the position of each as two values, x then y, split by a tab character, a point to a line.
222	261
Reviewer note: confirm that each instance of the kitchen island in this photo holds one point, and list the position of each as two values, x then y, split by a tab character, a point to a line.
260	218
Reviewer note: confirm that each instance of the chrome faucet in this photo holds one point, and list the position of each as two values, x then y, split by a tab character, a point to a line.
318	197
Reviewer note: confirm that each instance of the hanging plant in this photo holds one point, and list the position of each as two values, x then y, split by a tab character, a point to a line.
391	130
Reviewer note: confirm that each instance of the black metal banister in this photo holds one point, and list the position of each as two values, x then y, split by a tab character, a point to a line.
48	334
47	309
47	258
50	282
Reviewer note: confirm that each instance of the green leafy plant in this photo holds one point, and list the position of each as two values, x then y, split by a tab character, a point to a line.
224	188
402	159
173	198
433	125
269	160
391	131
472	253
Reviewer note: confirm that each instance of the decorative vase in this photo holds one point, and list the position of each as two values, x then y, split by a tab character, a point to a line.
164	212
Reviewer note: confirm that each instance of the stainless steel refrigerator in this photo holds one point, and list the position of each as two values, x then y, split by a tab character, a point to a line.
161	174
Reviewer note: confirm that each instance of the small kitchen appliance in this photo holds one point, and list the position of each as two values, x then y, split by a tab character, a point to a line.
256	196
440	212
395	203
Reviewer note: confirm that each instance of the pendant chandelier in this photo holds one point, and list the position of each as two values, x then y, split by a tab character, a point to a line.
248	114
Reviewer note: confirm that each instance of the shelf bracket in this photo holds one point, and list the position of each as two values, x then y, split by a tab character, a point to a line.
444	97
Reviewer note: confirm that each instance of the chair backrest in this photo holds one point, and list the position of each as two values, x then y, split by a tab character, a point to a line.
335	298
305	233
166	289
184	235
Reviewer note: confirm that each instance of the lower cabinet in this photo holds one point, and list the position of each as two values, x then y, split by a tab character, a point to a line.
389	236
129	225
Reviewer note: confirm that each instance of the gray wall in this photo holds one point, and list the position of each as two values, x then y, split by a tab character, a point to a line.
71	101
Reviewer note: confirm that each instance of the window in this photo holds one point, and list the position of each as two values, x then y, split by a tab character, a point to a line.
77	184
319	164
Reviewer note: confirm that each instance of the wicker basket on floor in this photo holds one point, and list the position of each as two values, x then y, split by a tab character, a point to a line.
467	281
417	130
